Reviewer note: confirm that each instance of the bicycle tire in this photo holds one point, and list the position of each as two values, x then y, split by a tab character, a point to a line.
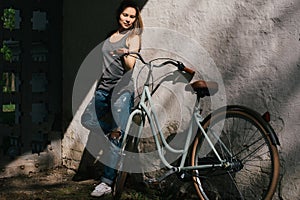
129	145
119	184
257	170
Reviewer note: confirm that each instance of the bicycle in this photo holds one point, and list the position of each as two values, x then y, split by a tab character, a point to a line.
242	161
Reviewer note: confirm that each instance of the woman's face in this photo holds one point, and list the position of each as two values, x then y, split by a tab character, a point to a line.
127	18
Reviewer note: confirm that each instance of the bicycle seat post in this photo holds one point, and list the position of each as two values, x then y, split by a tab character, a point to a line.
197	107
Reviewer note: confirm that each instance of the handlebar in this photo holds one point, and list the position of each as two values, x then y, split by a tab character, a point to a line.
177	64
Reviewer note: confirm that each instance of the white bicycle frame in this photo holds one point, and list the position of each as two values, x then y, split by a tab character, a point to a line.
147	110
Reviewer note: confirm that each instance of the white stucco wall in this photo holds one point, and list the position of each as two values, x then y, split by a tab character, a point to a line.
255	46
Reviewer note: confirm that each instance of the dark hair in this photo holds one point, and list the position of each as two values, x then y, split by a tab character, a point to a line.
138	24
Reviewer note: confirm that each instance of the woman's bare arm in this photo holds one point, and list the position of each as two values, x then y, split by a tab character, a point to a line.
133	46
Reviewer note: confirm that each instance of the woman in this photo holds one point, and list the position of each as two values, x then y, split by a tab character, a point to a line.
126	39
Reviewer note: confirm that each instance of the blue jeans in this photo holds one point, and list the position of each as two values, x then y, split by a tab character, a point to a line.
120	110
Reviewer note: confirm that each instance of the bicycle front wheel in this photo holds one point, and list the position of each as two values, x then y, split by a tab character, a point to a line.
129	145
240	138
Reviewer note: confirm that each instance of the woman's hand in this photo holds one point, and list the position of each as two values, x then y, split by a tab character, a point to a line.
128	61
120	52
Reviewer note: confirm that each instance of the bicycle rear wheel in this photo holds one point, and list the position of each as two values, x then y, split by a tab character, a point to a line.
241	139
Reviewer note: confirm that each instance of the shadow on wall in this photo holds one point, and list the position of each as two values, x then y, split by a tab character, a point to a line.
85	27
234	67
283	88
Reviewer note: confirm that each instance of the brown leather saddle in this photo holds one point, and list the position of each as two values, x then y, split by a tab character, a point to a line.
205	88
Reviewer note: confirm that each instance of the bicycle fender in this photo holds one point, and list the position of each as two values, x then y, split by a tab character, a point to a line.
255	114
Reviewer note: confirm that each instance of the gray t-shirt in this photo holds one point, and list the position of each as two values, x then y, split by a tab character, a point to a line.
113	67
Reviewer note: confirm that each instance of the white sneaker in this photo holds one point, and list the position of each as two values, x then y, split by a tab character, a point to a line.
101	189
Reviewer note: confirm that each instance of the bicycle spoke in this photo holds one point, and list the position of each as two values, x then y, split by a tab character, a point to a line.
248	146
244	136
256	158
257	166
243	143
253	152
235	184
